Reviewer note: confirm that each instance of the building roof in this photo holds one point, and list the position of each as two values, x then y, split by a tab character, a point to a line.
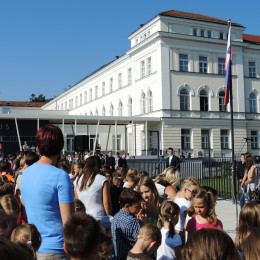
195	16
21	104
251	38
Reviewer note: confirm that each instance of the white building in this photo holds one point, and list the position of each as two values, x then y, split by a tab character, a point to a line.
173	78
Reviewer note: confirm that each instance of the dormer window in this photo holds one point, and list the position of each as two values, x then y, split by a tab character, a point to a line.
221	35
195	31
209	34
202	33
170	27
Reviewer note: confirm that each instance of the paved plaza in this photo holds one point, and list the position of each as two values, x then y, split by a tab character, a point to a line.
226	212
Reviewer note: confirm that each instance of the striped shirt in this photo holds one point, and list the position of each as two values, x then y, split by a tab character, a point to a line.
125	228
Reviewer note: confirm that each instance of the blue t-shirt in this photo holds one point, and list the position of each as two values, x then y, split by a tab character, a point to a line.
43	188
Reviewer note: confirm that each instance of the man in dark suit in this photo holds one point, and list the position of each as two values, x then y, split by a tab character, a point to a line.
172	160
110	161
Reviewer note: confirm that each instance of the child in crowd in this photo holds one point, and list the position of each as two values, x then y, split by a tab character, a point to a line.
206	244
127	222
121	174
11	206
81	237
6	225
106	246
171	241
250	249
213	191
249	218
148	241
151	203
183	200
10	250
115	191
79	205
202	212
131	179
28	234
105	224
142	174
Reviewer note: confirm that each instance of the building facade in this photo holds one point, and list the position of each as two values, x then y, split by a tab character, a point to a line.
175	72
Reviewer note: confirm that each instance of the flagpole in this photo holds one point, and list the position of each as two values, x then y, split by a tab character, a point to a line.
234	188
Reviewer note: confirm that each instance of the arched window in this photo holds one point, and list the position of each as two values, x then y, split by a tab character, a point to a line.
103	111
252	103
184	100
120	109
80	99
130	107
143	104
149	101
204	100
111	111
222	107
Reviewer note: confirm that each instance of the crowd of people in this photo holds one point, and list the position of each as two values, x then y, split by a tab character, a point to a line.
53	207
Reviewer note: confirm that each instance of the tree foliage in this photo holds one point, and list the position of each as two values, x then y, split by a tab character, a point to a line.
39	98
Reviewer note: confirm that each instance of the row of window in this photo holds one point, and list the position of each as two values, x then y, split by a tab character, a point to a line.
146	106
205	139
142	37
204	101
202	32
203	65
145	70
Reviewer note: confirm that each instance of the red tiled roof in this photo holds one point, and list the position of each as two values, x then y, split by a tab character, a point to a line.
21	104
194	16
251	38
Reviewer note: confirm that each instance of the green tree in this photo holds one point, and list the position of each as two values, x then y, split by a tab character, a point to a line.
40	98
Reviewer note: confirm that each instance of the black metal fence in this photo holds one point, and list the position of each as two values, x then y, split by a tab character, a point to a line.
216	173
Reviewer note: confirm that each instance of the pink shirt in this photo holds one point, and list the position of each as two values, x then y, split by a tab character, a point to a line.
193	225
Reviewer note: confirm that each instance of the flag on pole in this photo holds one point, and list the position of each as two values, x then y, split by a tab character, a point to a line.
228	66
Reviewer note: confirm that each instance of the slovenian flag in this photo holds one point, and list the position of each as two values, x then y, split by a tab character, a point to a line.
228	66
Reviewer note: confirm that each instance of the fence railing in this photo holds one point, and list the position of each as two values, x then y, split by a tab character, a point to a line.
216	174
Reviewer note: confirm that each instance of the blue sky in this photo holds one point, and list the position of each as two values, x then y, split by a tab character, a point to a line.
48	45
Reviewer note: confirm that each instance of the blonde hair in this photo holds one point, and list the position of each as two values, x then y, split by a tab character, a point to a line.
150	232
10	205
131	171
22	162
27	234
249	218
209	200
250	249
171	175
187	183
168	211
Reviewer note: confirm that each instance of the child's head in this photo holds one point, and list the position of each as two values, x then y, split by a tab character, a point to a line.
130	200
106	246
108	175
6	187
169	213
116	180
81	236
142	174
171	175
148	191
210	243
6	224
249	218
132	181
78	168
10	205
150	237
212	190
5	167
188	187
28	234
203	204
131	171
11	250
250	250
121	173
79	206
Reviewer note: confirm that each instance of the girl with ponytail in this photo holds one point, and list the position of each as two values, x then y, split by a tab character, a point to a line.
171	245
202	212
